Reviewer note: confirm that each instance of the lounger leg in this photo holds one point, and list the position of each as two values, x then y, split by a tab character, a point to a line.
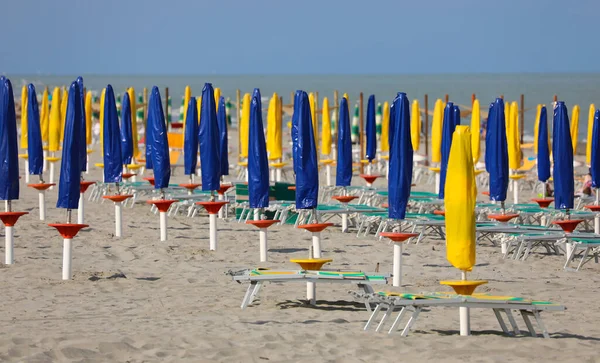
501	321
540	322
397	320
582	262
386	316
411	322
512	321
372	317
245	302
570	251
525	315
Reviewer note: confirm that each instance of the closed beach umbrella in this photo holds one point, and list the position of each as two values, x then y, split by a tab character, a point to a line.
126	136
513	138
415	127
343	177
401	159
378	120
536	128
64	100
590	130
447	131
325	128
313	114
562	150
217	97
112	139
34	134
543	154
436	132
102	98
496	151
244	125
9	150
385	127
258	167
157	144
70	168
88	118
307	172
294	130
209	141
575	127
24	100
54	122
187	95
223	142
274	129
45	116
475	132
595	155
371	130
134	131
82	127
190	140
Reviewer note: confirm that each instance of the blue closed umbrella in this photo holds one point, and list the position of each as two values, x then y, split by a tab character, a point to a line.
34	134
562	149
496	151
543	155
126	131
70	168
258	165
392	119
294	131
401	159
371	130
190	141
307	172
113	157
595	167
343	177
9	151
157	141
450	121
224	154
82	126
209	141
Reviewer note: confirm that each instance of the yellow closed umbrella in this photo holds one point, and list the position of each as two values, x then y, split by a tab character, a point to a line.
245	125
187	94
536	130
217	97
313	114
24	118
102	97
436	131
88	118
55	122
325	128
575	127
512	137
588	151
44	116
415	126
274	129
461	195
63	113
475	132
134	129
385	127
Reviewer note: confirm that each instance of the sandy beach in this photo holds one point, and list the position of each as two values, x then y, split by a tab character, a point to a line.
137	299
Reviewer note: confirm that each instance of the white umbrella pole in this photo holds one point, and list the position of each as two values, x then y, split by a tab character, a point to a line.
437	182
80	209
262	234
119	219
220	197
369	168
597	217
328	174
163	226
42	201
45	154
67	249
397	272
316	240
52	174
212	218
26	170
278	174
9	245
515	191
465	318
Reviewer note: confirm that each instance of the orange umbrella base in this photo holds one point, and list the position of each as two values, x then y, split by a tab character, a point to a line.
502	218
162	204
212	207
266	223
344	198
84	185
543	203
68	230
398	237
10	218
118	198
41	186
568	225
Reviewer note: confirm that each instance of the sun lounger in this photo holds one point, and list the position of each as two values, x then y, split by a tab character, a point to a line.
259	276
414	304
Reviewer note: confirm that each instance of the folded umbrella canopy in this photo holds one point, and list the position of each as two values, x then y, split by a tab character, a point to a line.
294	131
513	138
258	165
45	116
54	122
70	168
496	151
543	153
307	172
24	101
112	139
392	120
401	159
590	130
126	133
562	149
134	133
209	141
595	152
343	177
190	140
436	131
244	125
223	144
157	144
34	134
9	151
385	127
415	127
574	127
274	128
88	118
451	119
371	130
536	128
325	128
475	132
82	127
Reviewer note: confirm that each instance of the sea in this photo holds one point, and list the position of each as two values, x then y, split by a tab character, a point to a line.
580	89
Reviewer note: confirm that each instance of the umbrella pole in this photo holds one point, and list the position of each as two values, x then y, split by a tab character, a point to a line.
67	249
42	199
26	169
8	230
80	206
212	218
465	318
118	216
597	216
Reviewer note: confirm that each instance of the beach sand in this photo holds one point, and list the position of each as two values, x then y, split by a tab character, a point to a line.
137	299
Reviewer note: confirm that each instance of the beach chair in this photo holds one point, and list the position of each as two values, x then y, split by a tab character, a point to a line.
414	304
257	277
584	249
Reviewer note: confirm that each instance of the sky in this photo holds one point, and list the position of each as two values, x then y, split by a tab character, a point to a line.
171	37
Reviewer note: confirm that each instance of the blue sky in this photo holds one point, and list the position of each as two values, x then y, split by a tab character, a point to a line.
298	37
